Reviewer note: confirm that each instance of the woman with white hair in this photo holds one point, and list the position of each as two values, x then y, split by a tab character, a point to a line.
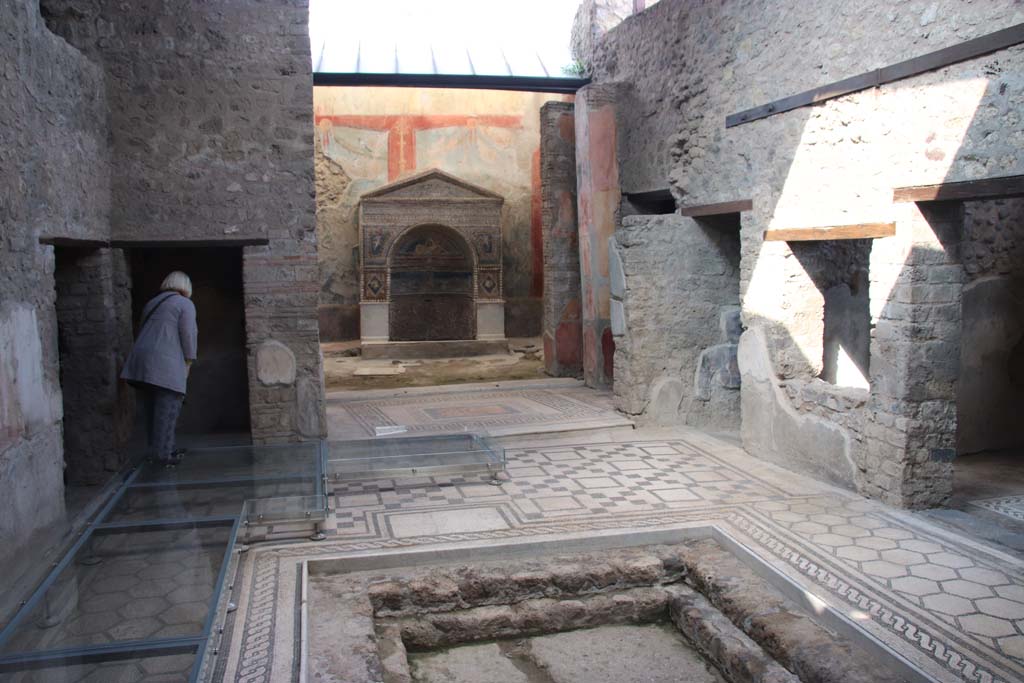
159	362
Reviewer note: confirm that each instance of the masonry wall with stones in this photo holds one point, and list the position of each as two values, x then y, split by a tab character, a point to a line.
94	336
55	182
563	344
677	283
990	387
684	67
211	141
177	123
369	137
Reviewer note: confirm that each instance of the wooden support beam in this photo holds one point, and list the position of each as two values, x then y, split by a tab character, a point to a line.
985	188
858	231
147	244
189	244
717	209
73	242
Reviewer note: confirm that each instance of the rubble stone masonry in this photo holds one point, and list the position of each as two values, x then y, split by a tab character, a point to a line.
211	128
689	65
54	182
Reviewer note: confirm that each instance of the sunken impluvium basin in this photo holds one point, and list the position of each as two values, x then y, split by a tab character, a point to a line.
682	612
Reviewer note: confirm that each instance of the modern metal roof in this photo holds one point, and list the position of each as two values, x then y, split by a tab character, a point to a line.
425	58
455	44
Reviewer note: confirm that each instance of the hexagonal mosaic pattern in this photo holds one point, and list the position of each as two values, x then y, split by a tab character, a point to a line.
126	586
957	587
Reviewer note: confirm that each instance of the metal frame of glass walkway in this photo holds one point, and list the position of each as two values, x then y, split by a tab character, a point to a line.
132	586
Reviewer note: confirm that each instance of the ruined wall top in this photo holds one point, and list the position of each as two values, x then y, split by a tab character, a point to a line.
210	114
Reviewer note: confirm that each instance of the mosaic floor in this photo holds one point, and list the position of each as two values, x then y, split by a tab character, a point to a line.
517	408
1010	506
953	608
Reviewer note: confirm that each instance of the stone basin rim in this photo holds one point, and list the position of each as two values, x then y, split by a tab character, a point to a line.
818	608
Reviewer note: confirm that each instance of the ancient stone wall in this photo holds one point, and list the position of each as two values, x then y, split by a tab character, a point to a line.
210	113
593	19
563	344
990	388
54	182
94	325
675	351
692	64
369	137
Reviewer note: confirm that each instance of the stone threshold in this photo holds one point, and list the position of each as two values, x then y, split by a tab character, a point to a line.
346	396
434	349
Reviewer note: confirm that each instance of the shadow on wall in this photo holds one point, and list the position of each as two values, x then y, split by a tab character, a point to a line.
893	438
675	312
218	384
990	389
839	271
832	164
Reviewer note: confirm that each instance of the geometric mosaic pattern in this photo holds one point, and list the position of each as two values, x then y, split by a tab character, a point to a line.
942	589
482	412
952	607
1011	506
545	484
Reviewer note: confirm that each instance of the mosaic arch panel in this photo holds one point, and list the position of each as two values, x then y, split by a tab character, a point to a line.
431	276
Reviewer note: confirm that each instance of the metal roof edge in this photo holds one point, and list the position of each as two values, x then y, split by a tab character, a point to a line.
566	85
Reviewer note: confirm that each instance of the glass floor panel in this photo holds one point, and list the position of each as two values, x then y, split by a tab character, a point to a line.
146	503
385	458
127	585
157	669
134	599
243	462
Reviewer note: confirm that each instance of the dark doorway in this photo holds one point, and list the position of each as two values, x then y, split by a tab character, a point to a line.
218	384
431	286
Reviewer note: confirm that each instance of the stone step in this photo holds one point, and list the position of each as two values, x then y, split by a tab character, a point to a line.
815	654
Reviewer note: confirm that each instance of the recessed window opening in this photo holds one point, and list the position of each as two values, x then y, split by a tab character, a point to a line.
839	269
655	202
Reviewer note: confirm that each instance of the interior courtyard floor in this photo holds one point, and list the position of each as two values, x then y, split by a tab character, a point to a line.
489	409
988	498
346	369
950	606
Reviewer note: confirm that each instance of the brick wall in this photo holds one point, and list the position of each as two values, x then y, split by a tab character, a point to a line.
94	320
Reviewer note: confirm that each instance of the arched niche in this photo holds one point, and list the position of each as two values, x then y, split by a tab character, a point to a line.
431	270
419	236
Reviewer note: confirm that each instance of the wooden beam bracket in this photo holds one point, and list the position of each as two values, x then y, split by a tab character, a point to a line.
717	209
144	244
857	231
1003	187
